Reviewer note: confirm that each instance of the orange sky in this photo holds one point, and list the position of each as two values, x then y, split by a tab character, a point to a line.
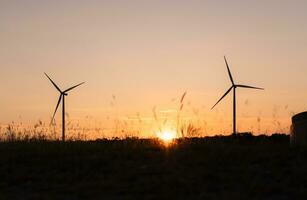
147	53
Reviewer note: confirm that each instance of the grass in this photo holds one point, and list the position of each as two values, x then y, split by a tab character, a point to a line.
244	167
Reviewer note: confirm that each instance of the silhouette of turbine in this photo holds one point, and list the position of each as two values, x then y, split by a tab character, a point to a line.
62	97
234	87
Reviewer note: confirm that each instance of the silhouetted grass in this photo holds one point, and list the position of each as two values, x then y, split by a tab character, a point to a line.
240	167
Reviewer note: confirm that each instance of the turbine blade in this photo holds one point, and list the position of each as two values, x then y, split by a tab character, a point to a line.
57	106
223	96
53	83
73	87
251	87
229	73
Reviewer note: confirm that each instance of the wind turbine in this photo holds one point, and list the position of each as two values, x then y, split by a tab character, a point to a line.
234	87
62	97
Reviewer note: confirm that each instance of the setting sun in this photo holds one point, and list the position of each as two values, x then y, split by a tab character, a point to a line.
167	136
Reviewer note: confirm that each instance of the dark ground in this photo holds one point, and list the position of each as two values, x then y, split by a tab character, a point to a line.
212	168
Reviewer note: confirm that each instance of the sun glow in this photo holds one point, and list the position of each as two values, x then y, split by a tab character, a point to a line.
167	136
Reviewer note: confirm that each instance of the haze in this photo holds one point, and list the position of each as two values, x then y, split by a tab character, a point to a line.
137	55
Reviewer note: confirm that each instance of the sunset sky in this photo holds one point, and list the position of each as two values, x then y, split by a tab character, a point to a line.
139	55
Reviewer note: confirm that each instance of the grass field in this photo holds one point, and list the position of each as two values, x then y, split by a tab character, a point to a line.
244	167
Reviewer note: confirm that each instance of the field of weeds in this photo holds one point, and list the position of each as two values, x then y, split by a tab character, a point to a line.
242	167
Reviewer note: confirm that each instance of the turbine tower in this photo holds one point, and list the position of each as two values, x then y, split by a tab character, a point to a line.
234	87
62	97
